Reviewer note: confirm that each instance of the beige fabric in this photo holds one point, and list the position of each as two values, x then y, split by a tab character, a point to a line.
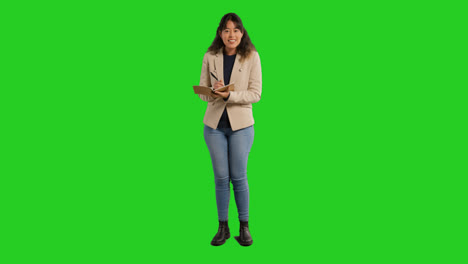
247	79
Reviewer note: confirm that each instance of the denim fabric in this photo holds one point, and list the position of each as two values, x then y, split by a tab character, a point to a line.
229	151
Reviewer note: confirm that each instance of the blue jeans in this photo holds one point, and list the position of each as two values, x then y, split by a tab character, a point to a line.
229	151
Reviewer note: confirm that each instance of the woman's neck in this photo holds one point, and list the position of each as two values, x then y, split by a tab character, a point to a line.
229	52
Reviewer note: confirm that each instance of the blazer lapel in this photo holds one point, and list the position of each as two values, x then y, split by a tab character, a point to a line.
236	69
219	65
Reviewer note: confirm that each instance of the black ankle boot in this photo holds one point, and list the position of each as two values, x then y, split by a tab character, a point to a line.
222	235
244	238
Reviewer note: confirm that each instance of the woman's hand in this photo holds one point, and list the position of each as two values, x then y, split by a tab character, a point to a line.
222	94
218	84
217	94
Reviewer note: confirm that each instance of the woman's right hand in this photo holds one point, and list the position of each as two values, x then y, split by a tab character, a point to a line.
217	85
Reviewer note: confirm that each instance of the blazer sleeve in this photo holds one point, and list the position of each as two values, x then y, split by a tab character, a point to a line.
205	79
254	90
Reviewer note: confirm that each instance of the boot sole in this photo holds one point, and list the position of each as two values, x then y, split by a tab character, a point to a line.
242	243
215	244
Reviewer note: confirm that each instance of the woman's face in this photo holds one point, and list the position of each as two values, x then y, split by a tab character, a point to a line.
231	36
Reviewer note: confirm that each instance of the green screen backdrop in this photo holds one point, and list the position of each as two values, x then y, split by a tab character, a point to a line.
359	134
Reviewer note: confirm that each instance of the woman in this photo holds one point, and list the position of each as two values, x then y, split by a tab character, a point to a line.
228	130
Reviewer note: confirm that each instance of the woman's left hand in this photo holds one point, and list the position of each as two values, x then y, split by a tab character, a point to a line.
222	94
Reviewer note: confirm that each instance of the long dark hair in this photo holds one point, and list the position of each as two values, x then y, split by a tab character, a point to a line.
245	47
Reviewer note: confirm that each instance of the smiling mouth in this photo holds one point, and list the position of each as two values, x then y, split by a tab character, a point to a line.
231	40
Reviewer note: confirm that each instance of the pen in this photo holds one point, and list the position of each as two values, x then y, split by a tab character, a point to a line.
214	76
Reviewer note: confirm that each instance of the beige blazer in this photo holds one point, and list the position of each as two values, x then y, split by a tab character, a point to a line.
247	79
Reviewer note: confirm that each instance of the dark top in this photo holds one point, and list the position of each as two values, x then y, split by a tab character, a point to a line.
228	64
